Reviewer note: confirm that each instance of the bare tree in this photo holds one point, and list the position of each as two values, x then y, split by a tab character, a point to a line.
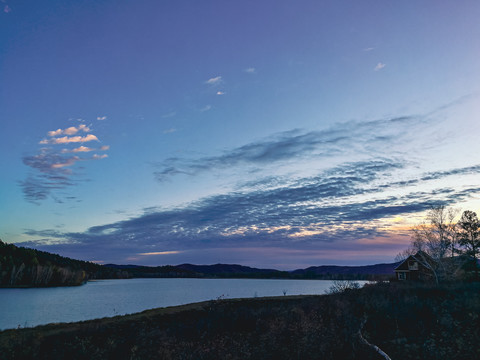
339	286
438	236
437	239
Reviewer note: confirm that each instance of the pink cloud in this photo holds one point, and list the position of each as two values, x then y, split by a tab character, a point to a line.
82	149
161	253
55	132
68	140
69	131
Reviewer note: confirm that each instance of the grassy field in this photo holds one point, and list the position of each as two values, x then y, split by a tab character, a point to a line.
406	321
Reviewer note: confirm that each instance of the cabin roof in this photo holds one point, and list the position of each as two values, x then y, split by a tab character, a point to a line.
421	257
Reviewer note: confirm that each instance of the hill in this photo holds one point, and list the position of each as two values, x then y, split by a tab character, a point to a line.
24	267
232	270
347	272
166	271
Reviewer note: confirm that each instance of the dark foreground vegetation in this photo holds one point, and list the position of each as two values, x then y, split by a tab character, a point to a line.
407	321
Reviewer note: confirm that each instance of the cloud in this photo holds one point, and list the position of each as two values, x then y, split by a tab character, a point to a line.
7	9
205	108
68	140
335	209
46	161
101	118
55	132
214	81
52	170
33	190
97	157
39	187
250	70
368	49
169	115
220	93
82	149
69	131
67	162
169	131
160	253
379	66
297	145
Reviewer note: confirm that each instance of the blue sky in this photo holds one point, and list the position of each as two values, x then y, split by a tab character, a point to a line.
266	133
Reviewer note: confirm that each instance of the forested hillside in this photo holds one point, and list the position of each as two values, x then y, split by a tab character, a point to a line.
23	267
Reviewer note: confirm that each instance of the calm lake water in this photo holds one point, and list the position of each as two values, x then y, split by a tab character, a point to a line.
97	299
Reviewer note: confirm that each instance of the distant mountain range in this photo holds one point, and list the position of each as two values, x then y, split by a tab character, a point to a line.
26	267
225	269
378	269
368	272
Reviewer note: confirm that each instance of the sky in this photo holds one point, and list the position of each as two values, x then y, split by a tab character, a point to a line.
273	133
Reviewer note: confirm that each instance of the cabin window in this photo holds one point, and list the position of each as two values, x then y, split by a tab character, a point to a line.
402	276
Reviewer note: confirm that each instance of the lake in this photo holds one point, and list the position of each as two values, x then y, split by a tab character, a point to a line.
102	298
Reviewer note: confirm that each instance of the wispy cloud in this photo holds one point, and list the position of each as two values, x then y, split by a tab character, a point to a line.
97	157
214	81
101	118
205	108
81	149
48	160
368	49
169	115
169	131
220	92
379	66
67	162
250	70
296	145
160	253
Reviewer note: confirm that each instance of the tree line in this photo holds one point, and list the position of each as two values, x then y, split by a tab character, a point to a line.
24	267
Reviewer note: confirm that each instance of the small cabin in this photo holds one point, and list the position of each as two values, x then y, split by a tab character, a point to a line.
416	267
